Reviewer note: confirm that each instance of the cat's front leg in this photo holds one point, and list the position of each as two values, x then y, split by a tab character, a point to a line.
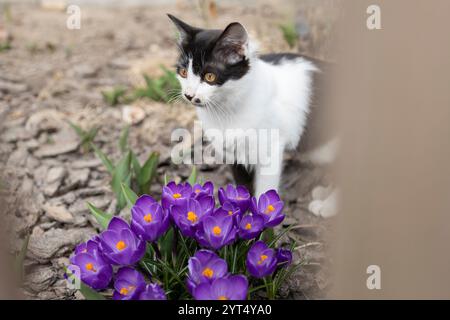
268	173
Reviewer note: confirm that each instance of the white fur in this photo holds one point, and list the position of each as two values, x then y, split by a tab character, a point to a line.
267	97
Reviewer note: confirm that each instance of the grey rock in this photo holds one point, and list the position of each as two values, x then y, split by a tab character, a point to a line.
51	189
85	71
46	120
18	158
63	142
78	177
58	213
10	87
55	242
40	277
82	164
80	207
15	134
55	174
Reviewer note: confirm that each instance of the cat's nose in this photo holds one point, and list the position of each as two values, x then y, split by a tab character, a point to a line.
188	97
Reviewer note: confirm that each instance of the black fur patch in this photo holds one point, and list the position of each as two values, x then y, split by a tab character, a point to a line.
202	46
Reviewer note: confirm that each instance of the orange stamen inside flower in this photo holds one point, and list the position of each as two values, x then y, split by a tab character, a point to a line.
222	298
248	226
262	258
230	213
192	217
89	266
270	209
124	291
197	190
176	195
217	231
121	245
207	272
148	218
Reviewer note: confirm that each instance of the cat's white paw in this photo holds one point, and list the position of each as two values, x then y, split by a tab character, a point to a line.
325	208
321	192
315	207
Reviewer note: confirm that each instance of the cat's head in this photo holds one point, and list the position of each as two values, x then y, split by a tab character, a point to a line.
210	60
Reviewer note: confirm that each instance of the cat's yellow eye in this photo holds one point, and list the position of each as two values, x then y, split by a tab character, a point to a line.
183	72
210	77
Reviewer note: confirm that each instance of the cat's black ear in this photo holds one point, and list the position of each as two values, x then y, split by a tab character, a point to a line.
186	31
232	45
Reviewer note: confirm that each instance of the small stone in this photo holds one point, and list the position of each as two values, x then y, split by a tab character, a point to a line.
15	134
40	278
55	174
83	164
58	213
132	114
10	87
63	142
78	178
56	242
85	71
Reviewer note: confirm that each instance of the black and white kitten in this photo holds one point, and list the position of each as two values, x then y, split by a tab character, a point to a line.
235	88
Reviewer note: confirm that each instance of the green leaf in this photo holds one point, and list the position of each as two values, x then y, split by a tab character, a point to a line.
104	158
87	292
102	217
121	174
21	257
135	165
193	177
166	179
78	130
123	141
166	243
129	195
148	172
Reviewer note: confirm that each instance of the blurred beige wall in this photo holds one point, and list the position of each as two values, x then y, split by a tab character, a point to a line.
392	93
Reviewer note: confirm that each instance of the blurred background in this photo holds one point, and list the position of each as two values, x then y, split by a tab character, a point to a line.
70	95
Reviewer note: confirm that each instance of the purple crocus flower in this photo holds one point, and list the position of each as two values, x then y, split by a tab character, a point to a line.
205	266
189	216
95	270
229	288
148	219
284	257
175	194
153	292
261	260
270	207
217	230
129	284
238	196
231	210
207	188
251	226
119	243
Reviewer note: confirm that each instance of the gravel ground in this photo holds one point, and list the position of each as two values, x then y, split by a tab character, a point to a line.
52	74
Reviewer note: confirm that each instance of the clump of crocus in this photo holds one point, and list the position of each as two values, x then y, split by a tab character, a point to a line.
129	284
284	257
153	292
270	207
187	244
261	260
230	288
175	194
251	226
189	215
238	196
205	266
94	269
149	220
120	244
217	230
